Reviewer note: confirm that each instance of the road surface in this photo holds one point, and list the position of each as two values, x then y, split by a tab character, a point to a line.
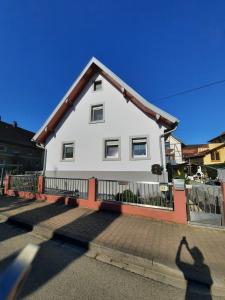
62	271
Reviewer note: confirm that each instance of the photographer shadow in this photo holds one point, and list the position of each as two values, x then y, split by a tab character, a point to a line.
197	275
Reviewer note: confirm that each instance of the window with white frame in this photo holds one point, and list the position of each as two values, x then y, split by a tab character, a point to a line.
97	113
68	151
97	85
112	149
139	147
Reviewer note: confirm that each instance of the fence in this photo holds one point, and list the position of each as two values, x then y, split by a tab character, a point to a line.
146	199
139	193
205	204
66	187
205	198
26	183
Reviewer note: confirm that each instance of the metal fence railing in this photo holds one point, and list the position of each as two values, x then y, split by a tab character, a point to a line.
136	193
27	183
205	204
72	187
205	198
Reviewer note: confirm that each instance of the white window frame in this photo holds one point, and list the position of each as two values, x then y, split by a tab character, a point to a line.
62	151
103	113
139	138
115	140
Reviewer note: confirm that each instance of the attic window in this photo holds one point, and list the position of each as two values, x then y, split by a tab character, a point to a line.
97	85
97	113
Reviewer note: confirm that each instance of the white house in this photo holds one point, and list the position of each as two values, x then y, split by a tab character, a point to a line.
173	147
103	128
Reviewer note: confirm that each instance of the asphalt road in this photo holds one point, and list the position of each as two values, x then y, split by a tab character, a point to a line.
62	271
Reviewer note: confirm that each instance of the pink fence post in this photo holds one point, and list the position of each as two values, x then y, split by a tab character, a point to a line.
41	184
92	192
6	184
180	206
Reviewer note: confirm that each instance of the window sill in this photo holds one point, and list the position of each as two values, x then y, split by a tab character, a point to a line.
96	122
140	158
111	159
67	160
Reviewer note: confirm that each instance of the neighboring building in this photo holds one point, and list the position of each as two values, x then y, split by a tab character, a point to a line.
17	150
174	147
103	128
215	154
193	155
211	154
218	139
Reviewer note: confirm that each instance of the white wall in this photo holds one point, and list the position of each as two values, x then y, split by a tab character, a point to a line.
122	120
176	146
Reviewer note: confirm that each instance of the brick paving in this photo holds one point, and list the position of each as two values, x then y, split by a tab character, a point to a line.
143	237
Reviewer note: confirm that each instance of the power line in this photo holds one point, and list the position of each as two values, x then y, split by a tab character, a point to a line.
192	90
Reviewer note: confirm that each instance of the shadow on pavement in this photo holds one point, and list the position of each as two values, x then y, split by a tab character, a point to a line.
28	219
47	265
10	204
197	273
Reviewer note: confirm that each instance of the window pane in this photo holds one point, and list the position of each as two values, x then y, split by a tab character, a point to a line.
112	151
217	156
97	113
68	151
139	149
167	145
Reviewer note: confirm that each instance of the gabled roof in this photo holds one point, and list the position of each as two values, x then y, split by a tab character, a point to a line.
205	152
13	134
70	97
217	137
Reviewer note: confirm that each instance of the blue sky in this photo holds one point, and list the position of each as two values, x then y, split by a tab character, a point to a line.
158	47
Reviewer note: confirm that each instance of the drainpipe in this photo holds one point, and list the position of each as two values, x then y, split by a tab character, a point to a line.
160	146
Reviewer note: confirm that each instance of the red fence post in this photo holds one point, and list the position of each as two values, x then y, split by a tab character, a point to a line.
41	184
180	206
92	183
6	184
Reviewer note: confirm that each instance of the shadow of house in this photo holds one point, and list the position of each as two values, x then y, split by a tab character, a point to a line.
196	273
84	230
14	204
31	217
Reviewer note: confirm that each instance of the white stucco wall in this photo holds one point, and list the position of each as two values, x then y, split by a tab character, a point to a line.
176	146
122	120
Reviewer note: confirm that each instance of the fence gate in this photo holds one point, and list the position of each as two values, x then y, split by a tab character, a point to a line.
204	204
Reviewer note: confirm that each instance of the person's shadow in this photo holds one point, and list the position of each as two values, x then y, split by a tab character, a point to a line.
197	273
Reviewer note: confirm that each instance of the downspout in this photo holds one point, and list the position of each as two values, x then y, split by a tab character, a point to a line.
160	146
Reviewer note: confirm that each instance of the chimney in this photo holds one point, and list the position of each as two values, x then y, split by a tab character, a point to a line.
14	124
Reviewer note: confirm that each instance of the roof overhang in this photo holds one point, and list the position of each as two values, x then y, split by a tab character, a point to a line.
94	66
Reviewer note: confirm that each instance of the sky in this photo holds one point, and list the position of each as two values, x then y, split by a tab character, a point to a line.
158	47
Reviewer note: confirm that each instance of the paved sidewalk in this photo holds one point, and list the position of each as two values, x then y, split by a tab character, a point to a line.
155	242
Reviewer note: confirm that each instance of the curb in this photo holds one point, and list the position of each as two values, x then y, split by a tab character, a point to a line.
141	266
